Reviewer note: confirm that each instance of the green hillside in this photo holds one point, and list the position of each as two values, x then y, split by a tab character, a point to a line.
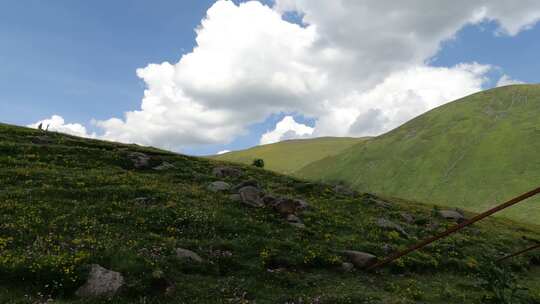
469	154
289	156
168	229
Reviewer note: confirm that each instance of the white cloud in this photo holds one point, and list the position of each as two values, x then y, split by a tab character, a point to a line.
507	80
286	129
357	67
400	97
57	123
223	152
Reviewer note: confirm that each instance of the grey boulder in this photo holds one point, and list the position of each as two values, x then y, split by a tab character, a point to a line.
164	166
452	215
218	186
226	172
101	282
139	160
360	259
389	225
182	253
251	196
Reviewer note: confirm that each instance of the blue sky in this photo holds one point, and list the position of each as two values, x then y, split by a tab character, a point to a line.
78	59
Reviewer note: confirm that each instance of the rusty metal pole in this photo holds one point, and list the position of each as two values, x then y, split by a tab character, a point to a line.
518	253
454	229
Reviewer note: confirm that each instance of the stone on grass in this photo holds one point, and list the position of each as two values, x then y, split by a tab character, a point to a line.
298	225
286	206
360	259
144	201
269	200
222	172
182	253
164	166
452	215
344	190
347	267
139	160
243	184
101	282
409	219
375	200
291	218
301	204
235	197
218	186
389	225
251	196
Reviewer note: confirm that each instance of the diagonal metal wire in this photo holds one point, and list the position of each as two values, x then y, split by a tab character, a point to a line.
519	252
454	229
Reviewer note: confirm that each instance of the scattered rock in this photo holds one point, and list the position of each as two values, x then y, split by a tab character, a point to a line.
347	267
452	215
373	199
389	225
387	249
222	172
344	190
161	284
291	218
101	282
222	253
409	219
360	259
139	160
251	196
298	225
164	166
301	204
235	197
243	184
286	206
182	253
144	201
269	200
218	186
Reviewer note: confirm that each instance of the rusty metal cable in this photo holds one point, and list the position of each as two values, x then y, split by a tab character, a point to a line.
531	248
454	229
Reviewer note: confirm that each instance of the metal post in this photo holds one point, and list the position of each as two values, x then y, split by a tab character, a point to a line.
455	228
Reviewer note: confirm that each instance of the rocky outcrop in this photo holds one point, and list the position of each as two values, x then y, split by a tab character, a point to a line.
101	282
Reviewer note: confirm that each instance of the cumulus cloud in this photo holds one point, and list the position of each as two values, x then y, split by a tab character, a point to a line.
223	152
287	128
357	67
507	80
57	123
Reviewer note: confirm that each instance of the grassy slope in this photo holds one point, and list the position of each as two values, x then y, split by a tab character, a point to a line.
468	154
289	156
69	203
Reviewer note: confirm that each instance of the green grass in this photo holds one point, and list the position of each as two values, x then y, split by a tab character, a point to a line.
471	154
289	156
70	203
